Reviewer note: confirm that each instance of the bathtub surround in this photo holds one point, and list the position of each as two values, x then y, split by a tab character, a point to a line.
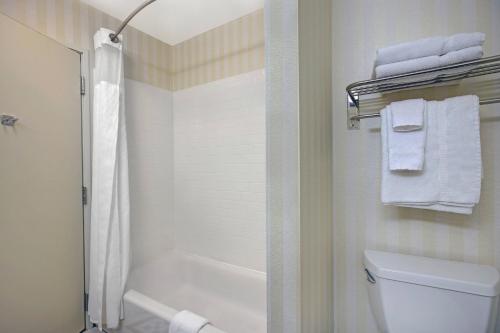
232	298
299	166
360	220
220	174
231	49
150	127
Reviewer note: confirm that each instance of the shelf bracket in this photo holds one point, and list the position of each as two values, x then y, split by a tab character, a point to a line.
352	111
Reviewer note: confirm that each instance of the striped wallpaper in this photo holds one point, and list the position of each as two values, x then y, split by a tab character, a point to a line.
299	165
360	220
234	48
231	49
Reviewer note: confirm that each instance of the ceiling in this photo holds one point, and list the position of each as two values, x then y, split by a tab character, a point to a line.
174	21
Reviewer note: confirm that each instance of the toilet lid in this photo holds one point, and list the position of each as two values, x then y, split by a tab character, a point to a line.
452	275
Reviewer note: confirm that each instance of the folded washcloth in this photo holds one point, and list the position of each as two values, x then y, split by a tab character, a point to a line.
407	66
455	57
421	48
187	322
408	115
406	149
451	179
425	47
462	41
420	64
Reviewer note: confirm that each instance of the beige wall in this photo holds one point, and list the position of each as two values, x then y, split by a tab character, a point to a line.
231	49
360	221
299	134
73	24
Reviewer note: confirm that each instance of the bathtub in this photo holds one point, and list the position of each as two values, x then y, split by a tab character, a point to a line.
232	298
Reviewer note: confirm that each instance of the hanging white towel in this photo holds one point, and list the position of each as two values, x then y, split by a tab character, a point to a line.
187	322
406	149
408	115
451	179
109	239
406	134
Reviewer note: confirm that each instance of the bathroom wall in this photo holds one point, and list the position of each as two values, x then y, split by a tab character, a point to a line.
233	48
220	170
299	166
149	118
360	220
73	24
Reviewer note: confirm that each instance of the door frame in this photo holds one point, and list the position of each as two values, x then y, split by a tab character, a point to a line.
86	168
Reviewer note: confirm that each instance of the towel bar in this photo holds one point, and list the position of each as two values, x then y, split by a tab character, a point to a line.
420	79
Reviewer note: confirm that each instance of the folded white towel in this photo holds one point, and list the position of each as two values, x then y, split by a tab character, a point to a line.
462	41
408	115
406	149
451	179
187	322
407	66
426	47
421	48
455	57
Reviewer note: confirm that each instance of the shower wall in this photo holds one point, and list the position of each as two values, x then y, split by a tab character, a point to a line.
220	170
149	116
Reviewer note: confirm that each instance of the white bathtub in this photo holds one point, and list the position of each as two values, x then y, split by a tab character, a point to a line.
232	298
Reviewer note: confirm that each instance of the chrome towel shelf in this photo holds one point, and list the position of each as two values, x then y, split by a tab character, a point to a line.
420	79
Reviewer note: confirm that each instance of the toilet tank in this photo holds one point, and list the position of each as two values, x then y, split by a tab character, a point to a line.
411	294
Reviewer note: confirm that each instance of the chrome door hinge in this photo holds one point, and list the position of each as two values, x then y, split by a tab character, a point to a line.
82	85
84	195
86	302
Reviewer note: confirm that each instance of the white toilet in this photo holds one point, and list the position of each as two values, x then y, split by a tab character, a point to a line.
410	294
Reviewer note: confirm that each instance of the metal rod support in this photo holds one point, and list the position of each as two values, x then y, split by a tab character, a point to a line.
114	36
377	114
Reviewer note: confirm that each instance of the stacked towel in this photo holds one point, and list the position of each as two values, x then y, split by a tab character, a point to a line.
428	53
451	179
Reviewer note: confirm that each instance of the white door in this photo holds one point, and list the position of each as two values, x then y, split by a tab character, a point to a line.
41	224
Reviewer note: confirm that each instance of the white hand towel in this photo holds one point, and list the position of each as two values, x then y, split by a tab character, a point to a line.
421	48
406	149
451	179
187	322
455	57
408	115
407	66
462	41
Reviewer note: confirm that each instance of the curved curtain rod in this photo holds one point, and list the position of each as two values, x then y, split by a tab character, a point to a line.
114	36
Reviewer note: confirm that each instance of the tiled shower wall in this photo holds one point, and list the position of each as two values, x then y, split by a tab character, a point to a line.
233	48
220	170
360	220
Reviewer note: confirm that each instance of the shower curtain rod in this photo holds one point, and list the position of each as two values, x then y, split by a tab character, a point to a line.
114	36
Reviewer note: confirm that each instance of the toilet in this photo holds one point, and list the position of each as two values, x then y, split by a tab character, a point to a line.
411	294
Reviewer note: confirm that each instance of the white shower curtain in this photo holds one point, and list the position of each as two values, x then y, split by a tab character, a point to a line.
109	240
